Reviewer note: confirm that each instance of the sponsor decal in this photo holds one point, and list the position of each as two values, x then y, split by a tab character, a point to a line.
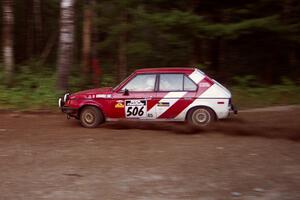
101	96
163	104
204	84
136	108
119	105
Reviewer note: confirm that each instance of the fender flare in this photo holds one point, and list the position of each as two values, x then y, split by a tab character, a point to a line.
91	103
201	106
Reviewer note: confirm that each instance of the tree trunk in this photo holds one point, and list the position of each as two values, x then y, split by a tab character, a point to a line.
96	64
29	29
66	43
197	45
86	39
37	25
287	10
8	40
292	59
122	56
215	54
218	62
48	47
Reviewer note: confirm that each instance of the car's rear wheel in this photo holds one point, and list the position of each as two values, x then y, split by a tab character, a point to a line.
91	117
201	116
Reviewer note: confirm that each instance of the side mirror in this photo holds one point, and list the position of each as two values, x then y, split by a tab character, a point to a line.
126	92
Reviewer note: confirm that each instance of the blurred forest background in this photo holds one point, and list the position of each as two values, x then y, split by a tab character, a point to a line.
53	46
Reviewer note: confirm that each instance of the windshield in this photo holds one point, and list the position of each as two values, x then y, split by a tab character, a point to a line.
122	82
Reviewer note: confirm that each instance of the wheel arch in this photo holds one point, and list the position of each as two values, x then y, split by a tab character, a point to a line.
92	105
201	106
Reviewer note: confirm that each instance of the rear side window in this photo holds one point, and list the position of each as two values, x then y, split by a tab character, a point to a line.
189	85
176	82
171	82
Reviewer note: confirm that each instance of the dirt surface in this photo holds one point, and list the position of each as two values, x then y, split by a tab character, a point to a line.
253	156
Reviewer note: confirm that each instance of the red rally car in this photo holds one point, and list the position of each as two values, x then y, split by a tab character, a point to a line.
157	94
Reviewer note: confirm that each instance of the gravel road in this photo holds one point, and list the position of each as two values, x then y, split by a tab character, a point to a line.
255	155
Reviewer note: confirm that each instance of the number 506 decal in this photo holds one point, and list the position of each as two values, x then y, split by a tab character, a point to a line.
135	108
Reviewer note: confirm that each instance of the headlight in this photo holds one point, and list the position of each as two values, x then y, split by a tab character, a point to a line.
66	97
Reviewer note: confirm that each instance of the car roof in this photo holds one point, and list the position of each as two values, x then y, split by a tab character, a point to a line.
185	70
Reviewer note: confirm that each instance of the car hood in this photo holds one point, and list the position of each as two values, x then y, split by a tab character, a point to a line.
96	91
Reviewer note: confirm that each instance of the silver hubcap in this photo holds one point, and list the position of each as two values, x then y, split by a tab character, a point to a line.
201	117
89	118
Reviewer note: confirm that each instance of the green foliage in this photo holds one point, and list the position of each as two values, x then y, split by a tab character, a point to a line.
163	33
245	81
108	81
245	96
30	90
233	30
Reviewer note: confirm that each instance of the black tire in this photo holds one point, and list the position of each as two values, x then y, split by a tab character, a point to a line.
201	116
91	117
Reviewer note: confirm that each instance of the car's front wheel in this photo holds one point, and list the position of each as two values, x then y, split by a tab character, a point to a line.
201	116
91	117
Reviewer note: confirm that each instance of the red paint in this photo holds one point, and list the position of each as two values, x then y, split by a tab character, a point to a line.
152	103
176	108
166	70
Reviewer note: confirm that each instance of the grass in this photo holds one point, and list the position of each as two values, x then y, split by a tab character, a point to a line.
247	96
41	95
29	91
265	96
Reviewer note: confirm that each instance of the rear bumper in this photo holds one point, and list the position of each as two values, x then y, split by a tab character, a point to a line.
233	109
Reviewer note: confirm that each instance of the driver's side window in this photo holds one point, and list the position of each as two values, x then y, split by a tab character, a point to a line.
141	83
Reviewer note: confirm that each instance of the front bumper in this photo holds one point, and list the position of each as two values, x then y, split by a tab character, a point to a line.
69	110
66	109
